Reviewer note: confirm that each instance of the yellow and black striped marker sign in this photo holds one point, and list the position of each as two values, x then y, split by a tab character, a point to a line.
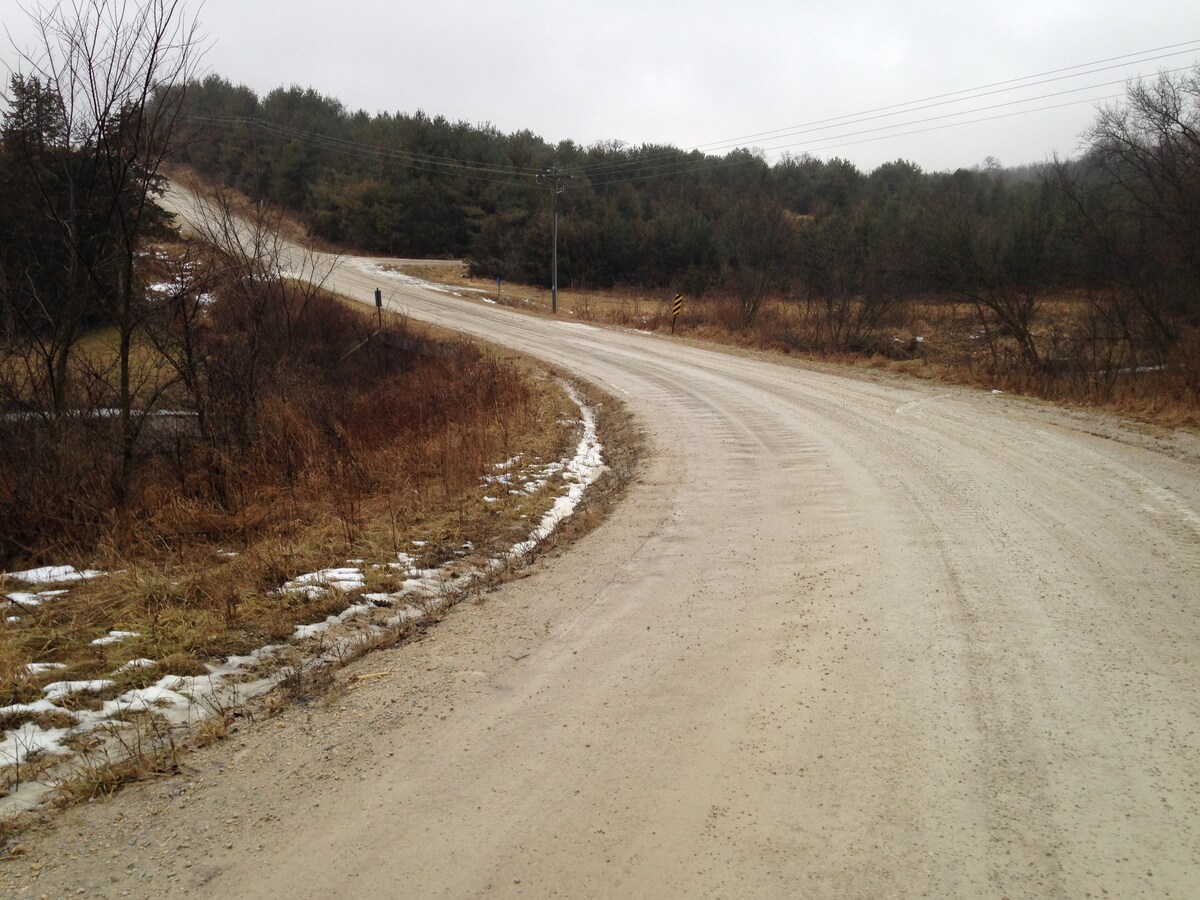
676	309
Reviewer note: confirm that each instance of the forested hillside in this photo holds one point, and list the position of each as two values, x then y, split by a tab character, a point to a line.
1088	266
411	185
1119	224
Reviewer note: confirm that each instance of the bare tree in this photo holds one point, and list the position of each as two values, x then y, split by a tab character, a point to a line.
848	280
1150	148
229	352
1001	261
117	70
1134	201
760	243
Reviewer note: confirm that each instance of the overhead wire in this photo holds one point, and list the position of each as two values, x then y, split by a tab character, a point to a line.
677	165
666	162
717	164
1015	82
389	151
376	153
911	106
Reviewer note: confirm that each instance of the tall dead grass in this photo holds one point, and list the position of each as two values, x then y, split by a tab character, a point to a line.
1091	350
292	452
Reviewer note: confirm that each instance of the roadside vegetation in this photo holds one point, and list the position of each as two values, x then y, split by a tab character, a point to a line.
197	421
929	339
1074	279
202	452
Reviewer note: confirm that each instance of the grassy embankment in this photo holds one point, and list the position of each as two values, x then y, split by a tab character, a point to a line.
356	448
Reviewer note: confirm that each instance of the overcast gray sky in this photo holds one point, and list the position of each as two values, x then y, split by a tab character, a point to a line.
706	72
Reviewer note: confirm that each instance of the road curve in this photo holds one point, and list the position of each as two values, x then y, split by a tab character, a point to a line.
874	637
848	635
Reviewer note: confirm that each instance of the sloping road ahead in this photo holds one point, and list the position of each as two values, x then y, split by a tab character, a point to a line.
846	636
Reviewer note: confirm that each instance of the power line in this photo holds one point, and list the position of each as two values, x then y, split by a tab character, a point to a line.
667	162
709	164
1008	115
375	153
664	167
911	106
389	151
1015	82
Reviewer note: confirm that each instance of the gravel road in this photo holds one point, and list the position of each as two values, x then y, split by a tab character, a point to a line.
847	635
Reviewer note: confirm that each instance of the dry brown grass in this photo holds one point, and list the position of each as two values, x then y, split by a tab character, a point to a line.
196	578
333	454
934	338
191	602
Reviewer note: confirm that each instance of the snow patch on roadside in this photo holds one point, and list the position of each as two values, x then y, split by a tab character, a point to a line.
115	637
408	279
25	598
53	574
183	701
412	280
580	472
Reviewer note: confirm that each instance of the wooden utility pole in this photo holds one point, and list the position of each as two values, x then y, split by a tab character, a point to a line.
557	181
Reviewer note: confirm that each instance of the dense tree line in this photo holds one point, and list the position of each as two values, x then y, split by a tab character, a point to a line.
850	248
1121	220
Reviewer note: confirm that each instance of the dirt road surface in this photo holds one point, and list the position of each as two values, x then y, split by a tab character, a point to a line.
847	635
